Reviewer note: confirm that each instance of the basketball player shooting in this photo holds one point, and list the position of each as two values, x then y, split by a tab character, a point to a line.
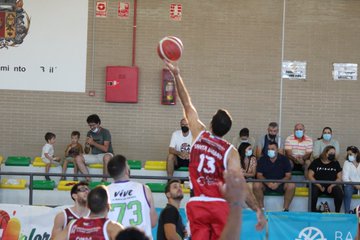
210	156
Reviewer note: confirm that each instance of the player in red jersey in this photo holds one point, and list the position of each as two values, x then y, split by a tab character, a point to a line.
210	156
79	194
97	225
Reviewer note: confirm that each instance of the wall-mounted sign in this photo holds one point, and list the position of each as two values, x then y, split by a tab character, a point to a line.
294	70
345	71
175	11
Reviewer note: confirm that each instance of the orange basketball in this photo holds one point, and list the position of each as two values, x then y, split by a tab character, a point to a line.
170	48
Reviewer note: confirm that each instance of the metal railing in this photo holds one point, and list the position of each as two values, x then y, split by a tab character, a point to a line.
36	174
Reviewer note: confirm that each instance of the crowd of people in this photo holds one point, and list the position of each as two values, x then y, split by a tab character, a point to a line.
214	209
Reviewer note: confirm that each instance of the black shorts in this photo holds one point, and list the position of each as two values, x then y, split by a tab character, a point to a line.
181	163
280	189
298	167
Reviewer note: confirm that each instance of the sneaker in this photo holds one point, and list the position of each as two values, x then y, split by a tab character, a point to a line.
285	210
62	178
47	178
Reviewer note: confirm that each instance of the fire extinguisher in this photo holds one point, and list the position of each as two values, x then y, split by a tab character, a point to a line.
168	89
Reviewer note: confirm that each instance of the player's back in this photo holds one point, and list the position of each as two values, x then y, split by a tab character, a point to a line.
88	228
208	160
129	205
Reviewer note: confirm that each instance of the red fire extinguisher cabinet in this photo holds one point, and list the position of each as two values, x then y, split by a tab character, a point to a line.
121	84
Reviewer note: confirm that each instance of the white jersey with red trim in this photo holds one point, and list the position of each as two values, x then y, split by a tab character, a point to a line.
208	161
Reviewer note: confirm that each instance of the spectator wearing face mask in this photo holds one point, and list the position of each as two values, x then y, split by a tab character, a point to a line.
271	136
351	173
326	139
326	168
179	148
274	166
298	148
247	160
244	136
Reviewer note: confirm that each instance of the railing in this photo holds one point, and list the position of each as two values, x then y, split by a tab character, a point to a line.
35	174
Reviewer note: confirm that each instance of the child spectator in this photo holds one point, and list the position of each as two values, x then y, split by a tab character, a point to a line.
47	154
71	151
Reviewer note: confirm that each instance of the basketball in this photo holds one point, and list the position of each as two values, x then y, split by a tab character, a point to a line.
170	49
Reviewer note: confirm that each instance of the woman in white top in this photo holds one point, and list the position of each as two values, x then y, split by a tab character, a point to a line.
351	173
324	140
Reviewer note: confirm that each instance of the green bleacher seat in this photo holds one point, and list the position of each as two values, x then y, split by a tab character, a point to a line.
95	184
134	164
157	187
297	173
17	161
183	169
43	185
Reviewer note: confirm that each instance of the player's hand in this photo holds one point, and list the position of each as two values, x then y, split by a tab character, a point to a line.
261	221
235	189
173	69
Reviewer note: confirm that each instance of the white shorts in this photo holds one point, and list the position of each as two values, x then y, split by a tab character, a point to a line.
95	158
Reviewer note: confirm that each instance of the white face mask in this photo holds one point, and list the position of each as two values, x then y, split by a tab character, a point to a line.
95	130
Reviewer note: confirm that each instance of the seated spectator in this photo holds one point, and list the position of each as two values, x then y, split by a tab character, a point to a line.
179	148
247	160
271	136
244	136
71	151
47	154
171	225
326	168
326	139
99	142
276	167
351	173
298	148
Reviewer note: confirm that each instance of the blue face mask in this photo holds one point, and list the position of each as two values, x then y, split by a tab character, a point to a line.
271	153
299	133
351	158
327	136
248	153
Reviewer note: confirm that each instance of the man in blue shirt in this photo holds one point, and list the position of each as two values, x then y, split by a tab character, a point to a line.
274	166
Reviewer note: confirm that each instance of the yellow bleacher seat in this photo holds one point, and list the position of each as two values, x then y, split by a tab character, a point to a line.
1	159
66	185
13	183
38	162
155	165
301	192
185	190
96	165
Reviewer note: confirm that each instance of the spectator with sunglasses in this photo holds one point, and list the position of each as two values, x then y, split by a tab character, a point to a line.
351	173
79	194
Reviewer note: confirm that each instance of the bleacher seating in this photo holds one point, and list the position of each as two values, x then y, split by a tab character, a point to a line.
14	189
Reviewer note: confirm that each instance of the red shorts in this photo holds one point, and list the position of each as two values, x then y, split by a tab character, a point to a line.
207	219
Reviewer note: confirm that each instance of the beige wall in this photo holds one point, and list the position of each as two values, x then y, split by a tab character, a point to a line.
232	60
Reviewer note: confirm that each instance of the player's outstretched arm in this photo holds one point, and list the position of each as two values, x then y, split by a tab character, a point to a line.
153	214
234	192
196	126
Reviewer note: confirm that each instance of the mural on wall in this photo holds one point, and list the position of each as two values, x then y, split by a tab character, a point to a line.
49	55
14	23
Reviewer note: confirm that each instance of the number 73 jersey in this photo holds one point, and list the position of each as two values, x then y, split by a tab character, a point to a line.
129	205
208	161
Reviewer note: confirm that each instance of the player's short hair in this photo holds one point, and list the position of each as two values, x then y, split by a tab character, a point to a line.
74	188
116	166
131	233
168	185
221	123
97	199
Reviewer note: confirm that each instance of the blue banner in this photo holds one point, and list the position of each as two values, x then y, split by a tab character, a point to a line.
248	230
307	226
